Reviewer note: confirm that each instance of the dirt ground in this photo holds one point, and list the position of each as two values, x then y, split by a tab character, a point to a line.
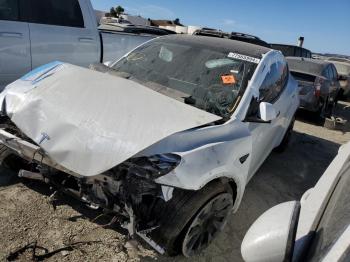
26	215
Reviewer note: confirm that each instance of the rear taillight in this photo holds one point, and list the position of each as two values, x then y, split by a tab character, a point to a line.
317	85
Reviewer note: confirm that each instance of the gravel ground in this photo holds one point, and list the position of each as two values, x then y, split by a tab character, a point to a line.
26	215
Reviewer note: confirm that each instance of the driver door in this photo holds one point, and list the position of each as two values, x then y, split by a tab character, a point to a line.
265	135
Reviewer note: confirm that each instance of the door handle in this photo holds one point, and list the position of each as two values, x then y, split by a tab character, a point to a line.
86	39
11	34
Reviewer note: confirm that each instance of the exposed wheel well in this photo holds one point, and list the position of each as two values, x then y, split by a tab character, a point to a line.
227	181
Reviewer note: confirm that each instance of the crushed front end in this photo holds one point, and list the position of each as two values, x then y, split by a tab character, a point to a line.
127	191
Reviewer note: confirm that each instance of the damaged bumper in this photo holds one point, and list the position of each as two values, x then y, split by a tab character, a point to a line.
127	191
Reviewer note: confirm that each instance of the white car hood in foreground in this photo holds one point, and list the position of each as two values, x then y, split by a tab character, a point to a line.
89	122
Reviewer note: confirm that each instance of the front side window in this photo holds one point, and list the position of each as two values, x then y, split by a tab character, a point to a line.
53	12
9	10
274	82
196	74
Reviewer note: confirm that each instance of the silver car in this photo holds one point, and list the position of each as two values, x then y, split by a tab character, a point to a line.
318	84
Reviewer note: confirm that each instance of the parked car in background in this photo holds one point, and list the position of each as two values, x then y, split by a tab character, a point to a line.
233	35
292	50
166	138
343	70
318	84
315	229
36	32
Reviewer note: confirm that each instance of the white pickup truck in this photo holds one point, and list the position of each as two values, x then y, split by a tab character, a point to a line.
35	32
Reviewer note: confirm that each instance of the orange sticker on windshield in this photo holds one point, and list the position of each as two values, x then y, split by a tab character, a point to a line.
228	79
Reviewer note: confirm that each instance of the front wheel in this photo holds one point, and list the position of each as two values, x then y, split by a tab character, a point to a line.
205	226
192	219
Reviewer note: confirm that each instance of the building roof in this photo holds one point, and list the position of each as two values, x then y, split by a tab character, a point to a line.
307	65
228	44
164	23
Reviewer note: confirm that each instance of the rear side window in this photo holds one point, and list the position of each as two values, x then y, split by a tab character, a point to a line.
274	82
303	52
327	73
298	52
9	10
53	12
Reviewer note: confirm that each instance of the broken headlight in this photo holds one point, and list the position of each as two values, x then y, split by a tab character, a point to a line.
152	167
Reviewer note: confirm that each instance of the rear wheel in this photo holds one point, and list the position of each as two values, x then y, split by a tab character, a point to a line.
328	108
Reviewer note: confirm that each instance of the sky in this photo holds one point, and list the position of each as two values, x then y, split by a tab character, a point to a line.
325	24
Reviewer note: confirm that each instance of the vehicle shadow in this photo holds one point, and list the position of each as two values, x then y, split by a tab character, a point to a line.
283	177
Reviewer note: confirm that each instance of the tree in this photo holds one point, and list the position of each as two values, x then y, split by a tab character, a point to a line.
112	12
119	10
116	12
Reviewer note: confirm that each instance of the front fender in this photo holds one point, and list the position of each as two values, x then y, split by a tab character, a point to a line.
227	159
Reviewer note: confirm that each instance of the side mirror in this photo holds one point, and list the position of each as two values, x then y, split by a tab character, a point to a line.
267	111
271	237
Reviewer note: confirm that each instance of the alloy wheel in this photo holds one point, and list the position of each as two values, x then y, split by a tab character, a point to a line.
209	221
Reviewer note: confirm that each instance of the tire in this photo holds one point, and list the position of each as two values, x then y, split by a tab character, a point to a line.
182	210
286	138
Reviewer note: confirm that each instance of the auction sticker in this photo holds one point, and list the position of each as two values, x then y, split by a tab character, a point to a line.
228	79
244	57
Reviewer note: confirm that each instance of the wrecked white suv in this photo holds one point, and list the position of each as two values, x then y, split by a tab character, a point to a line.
165	138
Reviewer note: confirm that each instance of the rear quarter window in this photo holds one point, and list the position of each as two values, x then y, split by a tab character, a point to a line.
54	12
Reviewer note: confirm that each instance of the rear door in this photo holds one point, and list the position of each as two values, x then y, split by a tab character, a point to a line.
15	58
63	30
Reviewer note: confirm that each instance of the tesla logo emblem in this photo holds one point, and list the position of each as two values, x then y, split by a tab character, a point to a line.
44	137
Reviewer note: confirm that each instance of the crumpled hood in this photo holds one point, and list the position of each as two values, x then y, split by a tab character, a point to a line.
89	122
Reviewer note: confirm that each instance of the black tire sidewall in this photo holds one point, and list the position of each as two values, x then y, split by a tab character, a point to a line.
178	214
